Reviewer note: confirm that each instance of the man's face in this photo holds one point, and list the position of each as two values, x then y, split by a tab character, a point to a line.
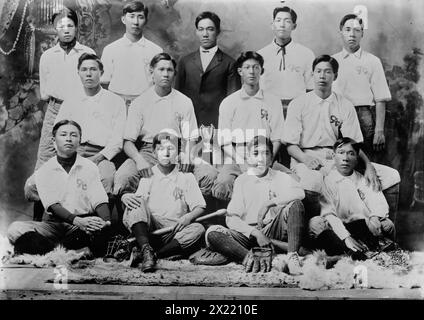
207	33
259	158
134	22
163	74
250	72
166	153
66	29
352	34
90	73
67	140
323	75
346	159
283	25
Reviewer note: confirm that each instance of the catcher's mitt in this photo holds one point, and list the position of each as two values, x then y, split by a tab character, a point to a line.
208	257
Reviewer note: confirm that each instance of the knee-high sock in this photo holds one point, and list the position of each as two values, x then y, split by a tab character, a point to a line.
331	243
170	249
295	226
226	245
141	233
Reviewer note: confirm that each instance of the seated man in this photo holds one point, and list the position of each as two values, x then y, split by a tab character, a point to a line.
159	107
70	188
242	115
264	197
167	198
353	215
102	116
315	120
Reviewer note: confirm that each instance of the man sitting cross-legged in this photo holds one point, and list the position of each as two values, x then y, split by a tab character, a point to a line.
167	198
69	187
266	197
353	215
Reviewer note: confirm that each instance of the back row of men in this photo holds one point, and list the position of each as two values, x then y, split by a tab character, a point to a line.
240	97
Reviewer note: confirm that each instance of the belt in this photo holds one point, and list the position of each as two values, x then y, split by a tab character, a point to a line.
363	107
56	100
318	147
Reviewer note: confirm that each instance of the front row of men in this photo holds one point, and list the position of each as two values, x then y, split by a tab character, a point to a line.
321	132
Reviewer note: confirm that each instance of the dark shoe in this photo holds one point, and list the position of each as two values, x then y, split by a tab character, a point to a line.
136	257
149	259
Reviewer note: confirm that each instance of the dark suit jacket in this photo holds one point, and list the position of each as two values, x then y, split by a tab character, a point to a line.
207	89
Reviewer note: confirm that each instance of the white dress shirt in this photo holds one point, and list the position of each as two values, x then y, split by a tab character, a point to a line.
361	78
80	191
101	117
59	72
170	196
250	193
206	56
126	65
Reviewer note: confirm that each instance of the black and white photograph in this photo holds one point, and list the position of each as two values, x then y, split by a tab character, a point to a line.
226	150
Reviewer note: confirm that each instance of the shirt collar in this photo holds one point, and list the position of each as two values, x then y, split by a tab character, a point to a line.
319	100
78	163
277	47
96	97
268	177
157	98
357	53
128	42
259	95
337	177
78	47
173	175
212	50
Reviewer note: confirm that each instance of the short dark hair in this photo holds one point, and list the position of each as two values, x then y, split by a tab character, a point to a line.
285	9
162	56
247	55
89	56
346	140
63	123
260	140
209	15
349	17
135	6
66	12
163	135
326	58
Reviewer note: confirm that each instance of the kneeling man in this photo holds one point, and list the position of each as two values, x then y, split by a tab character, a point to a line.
70	189
353	215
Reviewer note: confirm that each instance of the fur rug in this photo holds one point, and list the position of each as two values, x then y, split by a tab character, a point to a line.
397	269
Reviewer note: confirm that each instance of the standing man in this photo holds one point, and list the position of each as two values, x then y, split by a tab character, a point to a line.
287	63
207	75
58	76
363	82
126	60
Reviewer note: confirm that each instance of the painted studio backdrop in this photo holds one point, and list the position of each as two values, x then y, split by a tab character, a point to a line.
394	32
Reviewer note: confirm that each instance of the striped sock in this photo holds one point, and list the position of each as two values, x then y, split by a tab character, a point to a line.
295	226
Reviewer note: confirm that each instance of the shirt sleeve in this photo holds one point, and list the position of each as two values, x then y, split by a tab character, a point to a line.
44	75
225	118
351	127
287	189
65	112
329	212
48	192
97	193
189	129
134	122
277	122
375	201
107	61
293	123
114	145
308	75
379	84
193	195
237	211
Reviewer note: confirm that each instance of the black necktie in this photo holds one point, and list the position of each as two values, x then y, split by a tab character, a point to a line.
205	51
282	49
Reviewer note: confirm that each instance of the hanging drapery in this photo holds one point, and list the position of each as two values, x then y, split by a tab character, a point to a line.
7	12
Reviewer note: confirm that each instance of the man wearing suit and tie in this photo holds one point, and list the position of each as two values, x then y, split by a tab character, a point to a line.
207	75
